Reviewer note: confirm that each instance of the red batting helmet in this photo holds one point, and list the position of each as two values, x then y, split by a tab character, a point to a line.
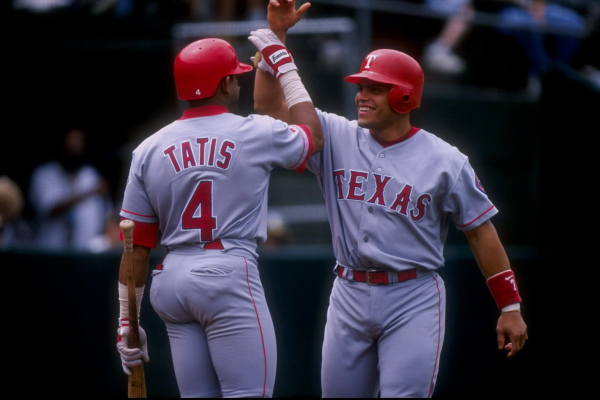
397	69
201	65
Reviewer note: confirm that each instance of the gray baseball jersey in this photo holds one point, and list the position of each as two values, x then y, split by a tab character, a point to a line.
203	179
389	209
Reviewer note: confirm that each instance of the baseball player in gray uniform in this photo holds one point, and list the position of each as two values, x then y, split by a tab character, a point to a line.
202	183
391	191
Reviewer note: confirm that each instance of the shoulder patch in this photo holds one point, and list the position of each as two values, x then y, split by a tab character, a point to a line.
478	185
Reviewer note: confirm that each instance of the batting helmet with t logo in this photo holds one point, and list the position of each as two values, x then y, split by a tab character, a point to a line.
201	65
397	69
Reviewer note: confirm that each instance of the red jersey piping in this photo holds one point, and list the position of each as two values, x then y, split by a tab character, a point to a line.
306	135
482	214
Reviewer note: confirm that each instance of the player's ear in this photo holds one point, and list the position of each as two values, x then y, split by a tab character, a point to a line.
224	84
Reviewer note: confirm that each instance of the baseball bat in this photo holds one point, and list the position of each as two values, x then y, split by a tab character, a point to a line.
257	58
137	381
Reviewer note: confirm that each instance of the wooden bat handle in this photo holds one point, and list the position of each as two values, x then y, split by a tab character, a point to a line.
127	226
137	381
136	387
127	229
257	57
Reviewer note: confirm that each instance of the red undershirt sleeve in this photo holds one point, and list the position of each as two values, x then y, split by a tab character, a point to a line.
302	166
144	234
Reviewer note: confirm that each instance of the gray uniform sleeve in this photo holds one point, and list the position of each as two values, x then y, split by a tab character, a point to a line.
290	144
136	203
467	203
315	163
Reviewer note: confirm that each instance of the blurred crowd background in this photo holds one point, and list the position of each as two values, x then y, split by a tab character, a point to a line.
89	79
514	84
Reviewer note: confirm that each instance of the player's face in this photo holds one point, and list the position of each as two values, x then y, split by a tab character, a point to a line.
374	111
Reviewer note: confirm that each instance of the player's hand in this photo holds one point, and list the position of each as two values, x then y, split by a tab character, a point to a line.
275	58
131	357
282	15
511	326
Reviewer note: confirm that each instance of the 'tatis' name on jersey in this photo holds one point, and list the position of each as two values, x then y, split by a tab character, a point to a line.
201	151
353	190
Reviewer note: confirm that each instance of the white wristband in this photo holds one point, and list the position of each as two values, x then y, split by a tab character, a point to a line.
124	300
512	307
293	89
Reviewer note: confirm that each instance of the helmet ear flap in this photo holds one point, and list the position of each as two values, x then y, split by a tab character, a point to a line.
400	100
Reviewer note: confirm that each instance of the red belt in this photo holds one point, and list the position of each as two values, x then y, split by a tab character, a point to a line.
374	277
214	245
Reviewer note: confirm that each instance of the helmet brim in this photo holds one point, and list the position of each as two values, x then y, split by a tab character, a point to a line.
241	68
370	75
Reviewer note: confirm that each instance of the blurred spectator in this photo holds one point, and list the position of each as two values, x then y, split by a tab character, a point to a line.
69	197
527	20
588	58
278	234
13	229
42	6
198	10
439	55
117	8
109	239
64	6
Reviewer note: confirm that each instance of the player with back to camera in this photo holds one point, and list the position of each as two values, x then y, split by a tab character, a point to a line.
202	182
391	190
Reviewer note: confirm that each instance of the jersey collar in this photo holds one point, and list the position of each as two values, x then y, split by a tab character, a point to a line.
205	111
386	143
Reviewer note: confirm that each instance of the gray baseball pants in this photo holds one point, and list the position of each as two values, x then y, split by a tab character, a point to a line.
385	338
220	329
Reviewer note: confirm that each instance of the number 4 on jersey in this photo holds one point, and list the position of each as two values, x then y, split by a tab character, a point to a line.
201	198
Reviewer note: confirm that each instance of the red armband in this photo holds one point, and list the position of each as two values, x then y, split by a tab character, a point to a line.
504	288
144	234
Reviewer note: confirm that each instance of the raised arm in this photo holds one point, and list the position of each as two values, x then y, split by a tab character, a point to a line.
268	96
282	15
278	90
495	267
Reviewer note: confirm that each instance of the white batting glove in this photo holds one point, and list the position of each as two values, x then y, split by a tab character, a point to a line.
275	58
131	357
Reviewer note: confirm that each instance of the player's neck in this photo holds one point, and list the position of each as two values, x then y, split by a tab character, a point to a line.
212	101
393	131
